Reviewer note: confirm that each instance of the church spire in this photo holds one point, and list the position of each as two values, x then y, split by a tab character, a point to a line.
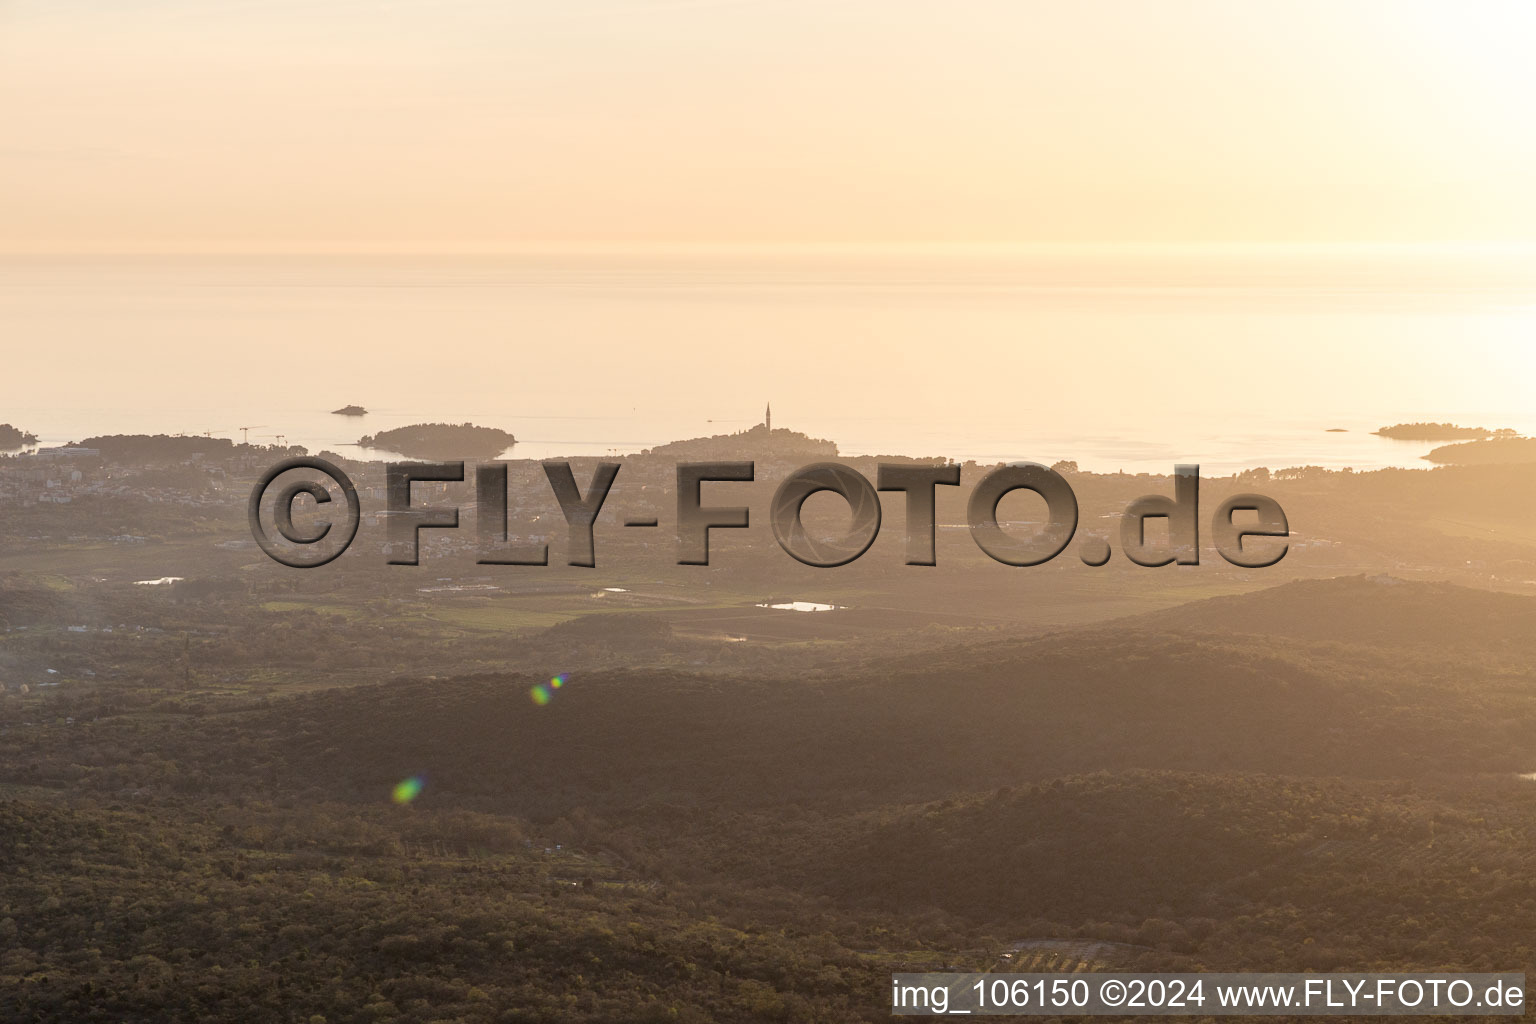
768	417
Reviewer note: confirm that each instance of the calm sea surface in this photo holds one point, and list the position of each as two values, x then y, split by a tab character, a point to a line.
1119	360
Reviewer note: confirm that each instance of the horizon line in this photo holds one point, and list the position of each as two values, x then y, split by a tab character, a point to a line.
1471	246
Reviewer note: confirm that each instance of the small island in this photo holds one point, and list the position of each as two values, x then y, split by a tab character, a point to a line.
1440	432
350	410
446	441
1337	430
12	437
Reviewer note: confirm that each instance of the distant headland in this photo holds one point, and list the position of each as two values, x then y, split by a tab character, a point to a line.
760	441
1440	432
12	437
1504	449
442	441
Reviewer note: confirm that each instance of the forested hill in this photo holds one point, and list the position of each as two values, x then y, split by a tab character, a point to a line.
1365	609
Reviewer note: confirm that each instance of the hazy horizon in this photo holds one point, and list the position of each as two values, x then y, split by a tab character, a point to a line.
1126	359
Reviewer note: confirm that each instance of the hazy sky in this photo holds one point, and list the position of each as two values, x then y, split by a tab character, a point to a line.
483	123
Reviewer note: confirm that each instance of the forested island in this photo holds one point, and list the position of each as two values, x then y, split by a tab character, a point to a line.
350	410
442	441
1439	432
12	437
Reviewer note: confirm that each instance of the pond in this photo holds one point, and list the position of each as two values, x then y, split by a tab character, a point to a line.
801	606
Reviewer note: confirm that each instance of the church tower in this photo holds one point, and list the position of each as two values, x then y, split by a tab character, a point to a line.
768	417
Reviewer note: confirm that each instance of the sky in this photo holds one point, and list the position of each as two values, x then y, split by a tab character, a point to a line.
193	125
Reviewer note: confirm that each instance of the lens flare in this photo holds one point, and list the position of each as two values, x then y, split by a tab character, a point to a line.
542	693
408	789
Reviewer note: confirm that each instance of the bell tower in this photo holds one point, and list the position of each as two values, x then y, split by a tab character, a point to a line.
768	417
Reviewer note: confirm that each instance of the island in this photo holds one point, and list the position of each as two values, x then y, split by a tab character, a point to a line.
447	441
12	437
350	410
1440	432
1337	430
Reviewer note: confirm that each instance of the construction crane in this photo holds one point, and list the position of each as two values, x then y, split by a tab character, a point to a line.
245	432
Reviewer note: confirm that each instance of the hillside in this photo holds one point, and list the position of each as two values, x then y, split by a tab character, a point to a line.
1366	610
239	915
1319	696
1225	872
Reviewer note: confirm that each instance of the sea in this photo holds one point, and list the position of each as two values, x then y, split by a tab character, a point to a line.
1120	358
